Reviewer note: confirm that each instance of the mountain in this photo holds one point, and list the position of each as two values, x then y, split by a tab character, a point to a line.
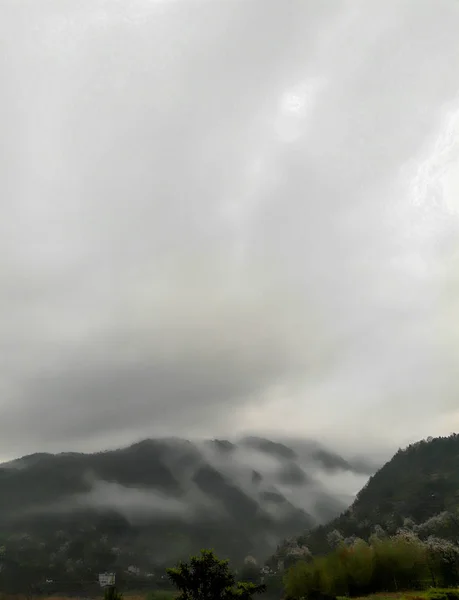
160	499
418	489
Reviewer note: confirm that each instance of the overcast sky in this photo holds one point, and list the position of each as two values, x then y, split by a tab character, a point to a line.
223	216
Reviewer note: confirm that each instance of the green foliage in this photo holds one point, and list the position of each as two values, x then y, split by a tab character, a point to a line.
244	590
206	577
416	490
390	564
443	594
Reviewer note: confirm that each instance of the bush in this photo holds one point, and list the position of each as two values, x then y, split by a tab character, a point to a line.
206	577
397	563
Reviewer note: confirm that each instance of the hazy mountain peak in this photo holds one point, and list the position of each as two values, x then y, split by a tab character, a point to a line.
258	488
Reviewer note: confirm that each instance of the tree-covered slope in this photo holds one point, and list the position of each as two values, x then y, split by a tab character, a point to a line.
417	489
161	499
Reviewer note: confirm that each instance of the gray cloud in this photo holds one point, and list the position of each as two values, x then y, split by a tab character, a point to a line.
219	217
134	504
317	487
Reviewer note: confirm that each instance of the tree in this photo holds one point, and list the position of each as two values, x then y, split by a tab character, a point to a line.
299	580
359	561
335	538
442	560
206	577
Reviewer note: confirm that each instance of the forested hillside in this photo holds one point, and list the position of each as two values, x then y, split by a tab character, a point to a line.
418	489
71	515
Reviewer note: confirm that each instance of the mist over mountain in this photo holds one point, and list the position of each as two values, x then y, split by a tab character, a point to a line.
222	218
239	496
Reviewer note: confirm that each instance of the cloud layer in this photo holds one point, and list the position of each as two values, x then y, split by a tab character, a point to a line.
220	217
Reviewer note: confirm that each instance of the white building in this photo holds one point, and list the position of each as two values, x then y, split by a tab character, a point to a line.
106	579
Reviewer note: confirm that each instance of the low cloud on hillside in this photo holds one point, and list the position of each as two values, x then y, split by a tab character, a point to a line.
274	477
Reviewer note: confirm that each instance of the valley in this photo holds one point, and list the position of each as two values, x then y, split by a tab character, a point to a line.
260	503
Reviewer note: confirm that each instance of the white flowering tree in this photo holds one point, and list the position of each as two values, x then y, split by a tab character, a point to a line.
443	560
334	538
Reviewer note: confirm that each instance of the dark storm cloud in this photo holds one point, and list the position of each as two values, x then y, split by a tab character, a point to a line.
219	216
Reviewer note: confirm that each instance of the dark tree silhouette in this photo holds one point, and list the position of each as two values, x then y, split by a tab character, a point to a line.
206	577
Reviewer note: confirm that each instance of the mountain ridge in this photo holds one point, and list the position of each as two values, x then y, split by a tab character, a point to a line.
240	496
417	489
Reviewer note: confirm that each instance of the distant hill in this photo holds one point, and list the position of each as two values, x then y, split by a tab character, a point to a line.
417	489
158	500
